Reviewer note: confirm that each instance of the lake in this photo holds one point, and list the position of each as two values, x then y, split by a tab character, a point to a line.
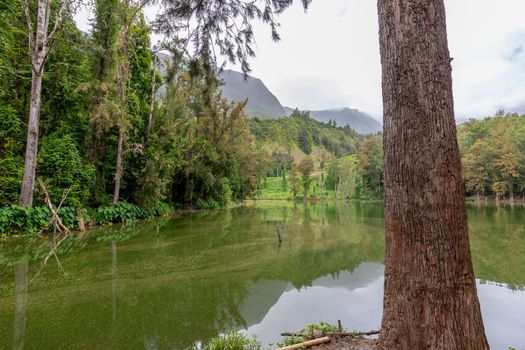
173	282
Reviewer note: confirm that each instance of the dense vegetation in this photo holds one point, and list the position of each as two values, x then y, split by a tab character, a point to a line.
493	156
188	151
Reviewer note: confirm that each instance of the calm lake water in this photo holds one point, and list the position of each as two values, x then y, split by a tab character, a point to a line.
171	283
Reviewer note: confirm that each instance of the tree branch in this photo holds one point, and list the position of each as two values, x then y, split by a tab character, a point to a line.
29	27
58	21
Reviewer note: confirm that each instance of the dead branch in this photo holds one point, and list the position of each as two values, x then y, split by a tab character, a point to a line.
307	344
54	216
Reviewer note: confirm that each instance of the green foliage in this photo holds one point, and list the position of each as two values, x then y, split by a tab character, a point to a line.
61	167
306	134
493	155
16	220
304	141
233	341
344	177
305	167
126	212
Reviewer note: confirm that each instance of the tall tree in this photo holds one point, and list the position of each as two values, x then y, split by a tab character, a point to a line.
131	10
40	44
430	299
475	170
305	167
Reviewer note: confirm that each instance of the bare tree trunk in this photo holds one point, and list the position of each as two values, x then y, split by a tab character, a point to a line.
151	101
39	47
28	181
430	299
119	169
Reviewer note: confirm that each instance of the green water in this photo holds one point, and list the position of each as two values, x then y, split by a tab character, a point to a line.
171	283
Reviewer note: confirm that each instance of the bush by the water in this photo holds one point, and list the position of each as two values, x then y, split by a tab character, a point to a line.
16	220
126	212
26	220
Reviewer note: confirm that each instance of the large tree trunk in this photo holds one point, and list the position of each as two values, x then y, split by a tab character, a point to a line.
28	181
430	299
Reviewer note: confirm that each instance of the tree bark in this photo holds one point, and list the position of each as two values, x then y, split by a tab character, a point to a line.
430	299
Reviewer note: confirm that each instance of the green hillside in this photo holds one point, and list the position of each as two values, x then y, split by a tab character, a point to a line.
344	164
300	135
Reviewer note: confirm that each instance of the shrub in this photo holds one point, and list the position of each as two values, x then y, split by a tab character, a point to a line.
207	204
60	165
126	212
16	220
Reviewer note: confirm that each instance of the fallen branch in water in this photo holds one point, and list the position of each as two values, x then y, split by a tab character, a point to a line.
58	226
55	219
307	344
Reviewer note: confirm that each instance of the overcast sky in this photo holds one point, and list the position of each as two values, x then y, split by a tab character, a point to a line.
329	56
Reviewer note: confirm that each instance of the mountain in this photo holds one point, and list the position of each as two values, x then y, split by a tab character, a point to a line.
261	102
359	121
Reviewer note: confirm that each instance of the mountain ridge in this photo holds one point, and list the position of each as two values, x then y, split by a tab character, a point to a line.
262	103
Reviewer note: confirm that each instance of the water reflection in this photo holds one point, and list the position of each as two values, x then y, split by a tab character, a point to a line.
173	283
20	304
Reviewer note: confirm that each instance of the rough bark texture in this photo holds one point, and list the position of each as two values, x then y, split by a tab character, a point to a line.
430	299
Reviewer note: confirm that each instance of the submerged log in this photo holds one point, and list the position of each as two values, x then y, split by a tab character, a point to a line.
307	344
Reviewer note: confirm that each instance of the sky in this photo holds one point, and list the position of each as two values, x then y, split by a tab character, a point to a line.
329	56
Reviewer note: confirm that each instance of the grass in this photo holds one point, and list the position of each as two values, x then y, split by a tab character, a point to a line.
233	341
272	189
